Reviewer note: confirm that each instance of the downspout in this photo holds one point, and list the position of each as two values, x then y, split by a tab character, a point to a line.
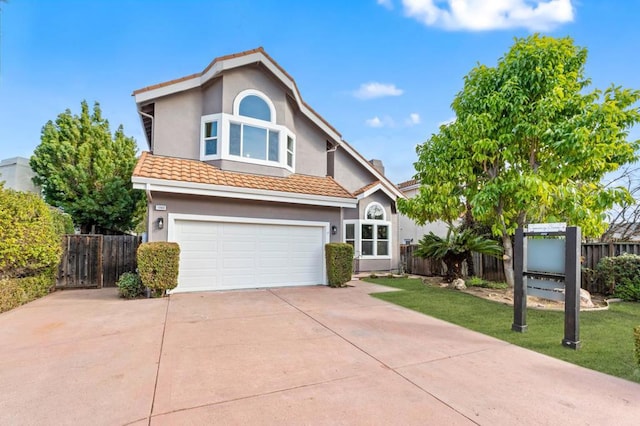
150	117
149	202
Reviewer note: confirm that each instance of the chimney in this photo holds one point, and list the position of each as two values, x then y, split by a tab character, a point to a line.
377	164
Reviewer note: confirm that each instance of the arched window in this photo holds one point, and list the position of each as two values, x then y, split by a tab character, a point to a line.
249	134
255	107
374	211
371	235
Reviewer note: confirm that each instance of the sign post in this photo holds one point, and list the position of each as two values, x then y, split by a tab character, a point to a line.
547	264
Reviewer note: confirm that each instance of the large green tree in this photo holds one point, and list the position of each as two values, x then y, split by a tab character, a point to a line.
530	143
86	170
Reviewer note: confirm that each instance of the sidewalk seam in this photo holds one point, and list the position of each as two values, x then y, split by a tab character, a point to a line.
155	385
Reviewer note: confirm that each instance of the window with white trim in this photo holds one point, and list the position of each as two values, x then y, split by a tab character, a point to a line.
370	236
250	134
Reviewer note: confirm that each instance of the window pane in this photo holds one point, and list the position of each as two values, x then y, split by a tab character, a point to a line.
273	146
349	231
383	248
289	143
254	142
234	139
367	232
367	248
211	147
383	232
211	129
289	159
375	212
256	107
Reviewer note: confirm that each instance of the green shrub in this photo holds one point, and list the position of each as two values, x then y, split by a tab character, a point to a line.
480	282
130	286
339	258
62	222
621	276
158	264
28	240
18	291
636	335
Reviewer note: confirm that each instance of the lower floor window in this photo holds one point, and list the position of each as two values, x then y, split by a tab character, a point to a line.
368	238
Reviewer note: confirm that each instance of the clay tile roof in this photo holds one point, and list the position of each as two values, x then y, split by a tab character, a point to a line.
366	187
408	183
179	169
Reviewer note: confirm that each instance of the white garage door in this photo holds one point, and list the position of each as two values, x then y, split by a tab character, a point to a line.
227	255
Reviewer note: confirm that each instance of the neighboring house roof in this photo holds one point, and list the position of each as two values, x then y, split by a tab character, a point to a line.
407	184
173	174
258	55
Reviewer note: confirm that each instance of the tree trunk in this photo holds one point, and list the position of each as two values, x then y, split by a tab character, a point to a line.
507	259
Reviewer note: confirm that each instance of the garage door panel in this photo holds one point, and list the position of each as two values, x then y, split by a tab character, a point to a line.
226	255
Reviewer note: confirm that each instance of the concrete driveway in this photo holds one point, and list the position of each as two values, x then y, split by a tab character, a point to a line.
311	355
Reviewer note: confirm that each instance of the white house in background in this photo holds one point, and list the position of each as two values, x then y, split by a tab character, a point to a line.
409	231
16	174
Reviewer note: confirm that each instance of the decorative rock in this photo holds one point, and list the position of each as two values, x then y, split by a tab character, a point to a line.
458	284
585	299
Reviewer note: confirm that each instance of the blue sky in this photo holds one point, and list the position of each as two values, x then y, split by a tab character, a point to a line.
383	72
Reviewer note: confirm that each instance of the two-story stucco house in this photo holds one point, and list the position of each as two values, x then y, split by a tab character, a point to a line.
252	182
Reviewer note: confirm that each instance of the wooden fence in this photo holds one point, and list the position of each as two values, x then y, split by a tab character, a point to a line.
490	268
96	261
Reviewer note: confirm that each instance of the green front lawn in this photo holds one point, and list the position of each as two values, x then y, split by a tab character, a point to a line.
606	336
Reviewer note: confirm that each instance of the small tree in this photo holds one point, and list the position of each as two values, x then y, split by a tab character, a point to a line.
529	144
86	171
455	249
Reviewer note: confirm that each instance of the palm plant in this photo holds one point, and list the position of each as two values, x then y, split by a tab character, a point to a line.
455	248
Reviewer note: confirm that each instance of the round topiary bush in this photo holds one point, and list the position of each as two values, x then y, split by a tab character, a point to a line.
158	264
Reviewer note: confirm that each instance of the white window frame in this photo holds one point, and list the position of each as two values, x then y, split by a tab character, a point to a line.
224	124
375	204
357	249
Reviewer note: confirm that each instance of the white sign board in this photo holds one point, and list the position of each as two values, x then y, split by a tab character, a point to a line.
547	227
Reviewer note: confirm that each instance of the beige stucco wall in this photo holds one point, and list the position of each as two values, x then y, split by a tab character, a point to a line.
350	173
176	131
409	230
16	174
214	206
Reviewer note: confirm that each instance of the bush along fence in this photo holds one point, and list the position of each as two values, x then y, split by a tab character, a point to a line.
490	268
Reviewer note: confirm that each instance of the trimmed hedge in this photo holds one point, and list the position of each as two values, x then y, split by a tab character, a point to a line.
636	335
158	264
28	238
18	291
621	276
339	258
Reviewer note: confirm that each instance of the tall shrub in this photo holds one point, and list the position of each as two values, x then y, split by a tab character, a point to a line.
158	264
28	239
621	276
339	258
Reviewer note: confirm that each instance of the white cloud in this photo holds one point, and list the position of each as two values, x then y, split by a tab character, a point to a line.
483	15
413	119
386	3
378	122
377	90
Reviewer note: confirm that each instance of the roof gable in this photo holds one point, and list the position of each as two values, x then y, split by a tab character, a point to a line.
258	55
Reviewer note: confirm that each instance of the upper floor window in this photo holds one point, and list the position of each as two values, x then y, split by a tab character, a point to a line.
250	134
255	107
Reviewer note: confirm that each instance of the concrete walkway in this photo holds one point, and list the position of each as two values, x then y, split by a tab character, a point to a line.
307	355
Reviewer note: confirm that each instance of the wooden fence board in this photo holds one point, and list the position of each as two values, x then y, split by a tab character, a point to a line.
95	261
491	268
